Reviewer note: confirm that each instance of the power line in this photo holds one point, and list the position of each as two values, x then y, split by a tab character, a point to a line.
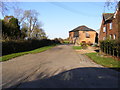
72	10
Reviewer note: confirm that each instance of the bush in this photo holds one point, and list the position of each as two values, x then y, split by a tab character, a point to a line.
59	40
83	45
111	47
9	47
11	29
95	45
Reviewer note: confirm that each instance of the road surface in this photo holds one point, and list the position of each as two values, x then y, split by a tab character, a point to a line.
59	67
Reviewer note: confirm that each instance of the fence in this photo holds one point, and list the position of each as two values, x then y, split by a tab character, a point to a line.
110	47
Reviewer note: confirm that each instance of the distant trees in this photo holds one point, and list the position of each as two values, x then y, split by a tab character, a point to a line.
38	33
22	24
30	17
10	28
29	23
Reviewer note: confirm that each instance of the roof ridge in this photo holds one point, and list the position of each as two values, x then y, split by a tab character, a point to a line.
82	28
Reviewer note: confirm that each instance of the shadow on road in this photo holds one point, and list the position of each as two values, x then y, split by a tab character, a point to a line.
89	77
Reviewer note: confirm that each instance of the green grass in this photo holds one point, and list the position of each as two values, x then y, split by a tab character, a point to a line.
10	56
105	61
66	42
77	47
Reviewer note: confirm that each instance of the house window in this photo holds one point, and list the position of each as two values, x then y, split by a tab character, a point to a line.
111	36
114	36
76	34
104	38
111	25
104	29
87	35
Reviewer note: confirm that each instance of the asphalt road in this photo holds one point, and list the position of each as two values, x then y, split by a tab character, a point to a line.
59	67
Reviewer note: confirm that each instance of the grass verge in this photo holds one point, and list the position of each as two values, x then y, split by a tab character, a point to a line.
105	61
66	42
10	56
77	47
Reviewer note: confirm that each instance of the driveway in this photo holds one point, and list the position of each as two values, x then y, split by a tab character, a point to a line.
59	67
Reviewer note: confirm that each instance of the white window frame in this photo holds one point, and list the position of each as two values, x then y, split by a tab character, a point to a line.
104	38
114	36
104	29
110	36
110	25
87	35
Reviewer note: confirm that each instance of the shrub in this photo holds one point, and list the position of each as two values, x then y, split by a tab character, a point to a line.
83	45
11	29
9	47
95	45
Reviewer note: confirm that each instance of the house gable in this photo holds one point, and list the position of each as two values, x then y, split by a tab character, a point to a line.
111	21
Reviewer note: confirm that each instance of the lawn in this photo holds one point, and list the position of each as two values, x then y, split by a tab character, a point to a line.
10	56
66	42
105	61
77	47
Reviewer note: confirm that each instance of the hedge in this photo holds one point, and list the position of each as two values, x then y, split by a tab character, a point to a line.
9	47
110	47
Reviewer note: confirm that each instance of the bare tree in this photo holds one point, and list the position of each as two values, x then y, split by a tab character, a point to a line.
5	6
18	13
111	4
38	33
30	17
28	20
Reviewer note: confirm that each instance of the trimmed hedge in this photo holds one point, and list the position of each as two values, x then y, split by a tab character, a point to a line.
111	47
9	47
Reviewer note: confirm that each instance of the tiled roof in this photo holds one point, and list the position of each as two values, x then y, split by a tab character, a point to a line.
82	28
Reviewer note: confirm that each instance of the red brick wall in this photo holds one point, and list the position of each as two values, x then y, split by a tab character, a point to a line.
115	28
118	18
82	37
71	35
102	34
90	40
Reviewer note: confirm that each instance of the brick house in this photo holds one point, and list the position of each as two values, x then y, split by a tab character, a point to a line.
83	34
110	27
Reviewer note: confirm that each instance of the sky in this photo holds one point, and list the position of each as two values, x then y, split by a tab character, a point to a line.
58	18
